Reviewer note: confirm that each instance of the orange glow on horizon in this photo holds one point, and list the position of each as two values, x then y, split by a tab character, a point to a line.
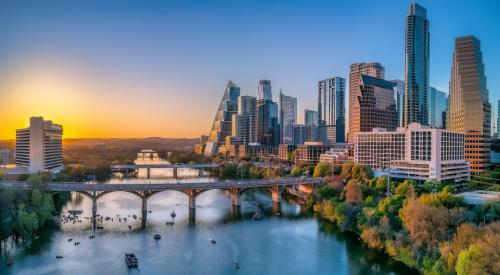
88	108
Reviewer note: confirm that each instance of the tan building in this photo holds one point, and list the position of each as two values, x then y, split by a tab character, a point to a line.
39	147
469	110
417	152
355	73
310	152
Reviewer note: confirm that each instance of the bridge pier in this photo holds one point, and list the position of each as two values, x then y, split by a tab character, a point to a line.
276	208
275	193
175	172
192	216
236	198
144	210
148	170
94	210
192	202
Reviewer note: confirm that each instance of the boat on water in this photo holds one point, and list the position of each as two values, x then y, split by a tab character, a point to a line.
9	263
237	265
170	223
258	216
173	215
131	260
59	257
213	241
157	236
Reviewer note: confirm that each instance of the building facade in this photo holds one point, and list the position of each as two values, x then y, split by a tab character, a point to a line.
243	125
39	147
417	152
469	110
438	103
310	152
311	123
288	117
355	73
399	97
416	65
222	124
264	90
331	110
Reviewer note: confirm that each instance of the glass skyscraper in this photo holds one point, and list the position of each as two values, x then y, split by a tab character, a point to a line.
416	65
222	125
469	110
331	110
288	117
437	105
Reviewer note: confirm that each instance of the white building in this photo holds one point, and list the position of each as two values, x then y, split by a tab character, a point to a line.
338	154
417	152
5	156
39	147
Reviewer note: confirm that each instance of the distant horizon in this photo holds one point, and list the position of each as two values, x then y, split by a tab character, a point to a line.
142	69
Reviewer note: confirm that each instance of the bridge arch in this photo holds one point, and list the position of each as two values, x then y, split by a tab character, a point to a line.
151	194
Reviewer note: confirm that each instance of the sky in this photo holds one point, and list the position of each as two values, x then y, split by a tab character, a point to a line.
159	68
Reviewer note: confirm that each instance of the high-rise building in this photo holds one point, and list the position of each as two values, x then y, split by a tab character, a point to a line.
300	133
498	120
264	90
221	127
437	105
39	147
356	70
288	117
399	97
331	110
243	124
417	152
416	65
267	131
469	110
311	124
376	105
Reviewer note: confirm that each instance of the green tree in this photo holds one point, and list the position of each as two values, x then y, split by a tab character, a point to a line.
27	222
322	170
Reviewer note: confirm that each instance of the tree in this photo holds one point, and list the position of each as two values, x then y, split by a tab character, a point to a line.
353	193
27	223
468	261
322	170
427	225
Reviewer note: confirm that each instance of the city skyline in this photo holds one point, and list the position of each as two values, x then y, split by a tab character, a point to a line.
116	88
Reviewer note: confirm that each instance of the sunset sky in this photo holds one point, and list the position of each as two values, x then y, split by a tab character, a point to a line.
159	68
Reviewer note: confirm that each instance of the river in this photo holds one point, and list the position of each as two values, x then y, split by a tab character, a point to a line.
292	243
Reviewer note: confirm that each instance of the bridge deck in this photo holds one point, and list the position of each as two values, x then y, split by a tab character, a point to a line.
166	165
80	186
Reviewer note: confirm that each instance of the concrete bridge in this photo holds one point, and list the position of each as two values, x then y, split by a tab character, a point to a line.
175	167
192	189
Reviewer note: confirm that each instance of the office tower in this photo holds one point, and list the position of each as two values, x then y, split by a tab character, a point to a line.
418	152
437	105
221	127
244	120
498	119
311	124
300	133
331	110
399	97
356	70
469	110
39	147
416	65
267	130
264	90
288	117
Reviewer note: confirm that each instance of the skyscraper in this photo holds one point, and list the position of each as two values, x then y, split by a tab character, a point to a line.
244	120
399	97
264	90
221	127
437	105
267	130
331	110
377	105
355	73
39	147
469	110
311	124
288	117
416	65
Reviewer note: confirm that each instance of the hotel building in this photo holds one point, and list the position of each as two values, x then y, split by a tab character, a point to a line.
39	147
331	110
417	152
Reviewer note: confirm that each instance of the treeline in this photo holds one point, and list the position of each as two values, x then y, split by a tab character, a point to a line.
23	213
247	170
424	226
